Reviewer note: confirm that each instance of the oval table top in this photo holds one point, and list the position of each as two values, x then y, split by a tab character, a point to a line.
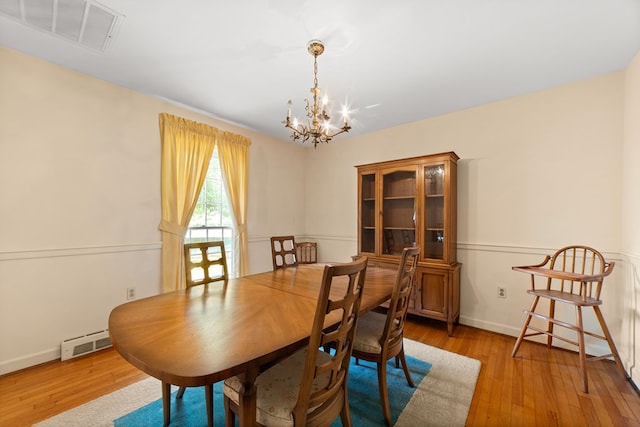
210	332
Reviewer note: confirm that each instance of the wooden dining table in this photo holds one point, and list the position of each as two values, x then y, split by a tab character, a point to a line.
241	326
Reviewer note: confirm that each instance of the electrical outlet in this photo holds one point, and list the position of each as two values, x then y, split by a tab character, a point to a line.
502	292
131	293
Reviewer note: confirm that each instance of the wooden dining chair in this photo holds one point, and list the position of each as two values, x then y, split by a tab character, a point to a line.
573	275
310	387
204	263
379	336
283	252
306	252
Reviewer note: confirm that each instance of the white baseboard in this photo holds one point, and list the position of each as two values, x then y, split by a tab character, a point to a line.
490	326
29	360
595	349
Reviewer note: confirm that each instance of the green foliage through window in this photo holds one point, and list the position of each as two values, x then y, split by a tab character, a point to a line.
212	209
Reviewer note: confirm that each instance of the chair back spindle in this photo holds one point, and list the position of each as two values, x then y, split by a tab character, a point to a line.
580	260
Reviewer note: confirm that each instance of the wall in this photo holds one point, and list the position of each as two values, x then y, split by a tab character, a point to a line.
537	172
631	214
80	202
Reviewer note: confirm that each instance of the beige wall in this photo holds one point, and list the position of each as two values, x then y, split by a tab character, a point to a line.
537	172
80	202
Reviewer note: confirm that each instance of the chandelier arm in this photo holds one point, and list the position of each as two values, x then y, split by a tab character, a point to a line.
342	130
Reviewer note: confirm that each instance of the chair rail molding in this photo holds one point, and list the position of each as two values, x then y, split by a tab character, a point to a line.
78	251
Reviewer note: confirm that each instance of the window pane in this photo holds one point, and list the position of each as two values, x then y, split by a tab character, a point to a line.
212	217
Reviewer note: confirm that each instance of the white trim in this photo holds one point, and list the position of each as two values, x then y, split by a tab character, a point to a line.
595	348
254	239
528	250
490	326
29	360
467	246
331	237
635	258
87	250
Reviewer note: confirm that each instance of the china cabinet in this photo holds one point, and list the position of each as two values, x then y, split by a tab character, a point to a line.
412	202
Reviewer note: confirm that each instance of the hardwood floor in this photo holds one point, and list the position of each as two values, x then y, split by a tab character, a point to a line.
539	387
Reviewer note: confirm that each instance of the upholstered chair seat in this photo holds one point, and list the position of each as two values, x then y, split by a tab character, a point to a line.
277	389
370	328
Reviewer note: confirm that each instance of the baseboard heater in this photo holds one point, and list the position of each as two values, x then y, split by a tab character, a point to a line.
85	344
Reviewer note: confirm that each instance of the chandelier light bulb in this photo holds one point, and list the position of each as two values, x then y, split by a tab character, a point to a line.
345	114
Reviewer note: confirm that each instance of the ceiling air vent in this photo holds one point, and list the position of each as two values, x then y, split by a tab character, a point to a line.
84	22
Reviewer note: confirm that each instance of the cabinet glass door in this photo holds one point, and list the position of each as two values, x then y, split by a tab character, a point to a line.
398	211
368	213
434	220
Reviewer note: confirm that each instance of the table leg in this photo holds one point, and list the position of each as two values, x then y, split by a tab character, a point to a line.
247	398
166	402
208	392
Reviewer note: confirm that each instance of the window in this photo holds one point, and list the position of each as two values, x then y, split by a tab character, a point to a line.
212	218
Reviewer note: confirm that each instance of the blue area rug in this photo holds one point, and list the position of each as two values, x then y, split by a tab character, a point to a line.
364	399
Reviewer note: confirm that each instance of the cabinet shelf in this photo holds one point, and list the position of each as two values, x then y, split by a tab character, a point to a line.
399	228
399	198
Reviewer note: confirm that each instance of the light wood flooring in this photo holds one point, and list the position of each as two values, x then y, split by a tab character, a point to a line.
540	387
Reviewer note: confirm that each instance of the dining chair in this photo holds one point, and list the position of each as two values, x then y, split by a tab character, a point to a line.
306	252
204	263
379	337
310	387
573	275
283	252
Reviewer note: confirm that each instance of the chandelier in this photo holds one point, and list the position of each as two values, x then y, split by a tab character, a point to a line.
318	128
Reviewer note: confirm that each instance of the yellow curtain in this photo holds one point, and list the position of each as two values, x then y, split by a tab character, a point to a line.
233	151
187	147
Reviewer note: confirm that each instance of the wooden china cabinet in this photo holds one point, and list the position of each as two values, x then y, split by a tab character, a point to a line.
414	202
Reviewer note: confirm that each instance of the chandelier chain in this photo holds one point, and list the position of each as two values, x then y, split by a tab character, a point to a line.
315	71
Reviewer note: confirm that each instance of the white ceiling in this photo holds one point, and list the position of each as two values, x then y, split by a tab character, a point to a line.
393	61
